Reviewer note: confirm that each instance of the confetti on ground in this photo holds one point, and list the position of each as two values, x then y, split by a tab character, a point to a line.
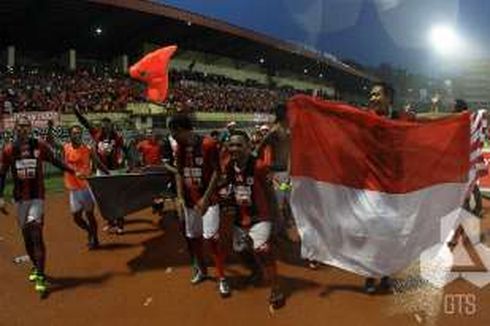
272	311
418	318
21	259
148	301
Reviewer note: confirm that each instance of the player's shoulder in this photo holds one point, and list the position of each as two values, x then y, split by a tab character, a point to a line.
94	131
209	142
118	134
40	143
8	148
143	145
87	147
262	165
67	146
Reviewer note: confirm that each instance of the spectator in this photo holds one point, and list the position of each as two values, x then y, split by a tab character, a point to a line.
35	90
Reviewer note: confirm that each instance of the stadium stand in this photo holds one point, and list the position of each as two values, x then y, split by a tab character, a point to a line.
36	90
66	60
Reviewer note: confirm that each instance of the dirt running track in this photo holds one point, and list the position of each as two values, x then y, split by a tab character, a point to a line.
142	278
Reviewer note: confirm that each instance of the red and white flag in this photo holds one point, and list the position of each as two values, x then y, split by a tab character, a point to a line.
478	164
368	192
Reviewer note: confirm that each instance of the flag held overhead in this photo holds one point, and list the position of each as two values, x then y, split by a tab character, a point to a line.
369	193
152	69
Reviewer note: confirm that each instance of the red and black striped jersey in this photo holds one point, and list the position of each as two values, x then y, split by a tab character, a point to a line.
25	163
249	191
197	164
109	148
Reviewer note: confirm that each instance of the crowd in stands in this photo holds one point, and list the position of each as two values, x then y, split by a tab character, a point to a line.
207	92
40	90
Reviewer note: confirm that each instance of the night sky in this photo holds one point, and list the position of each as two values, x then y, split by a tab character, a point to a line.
367	31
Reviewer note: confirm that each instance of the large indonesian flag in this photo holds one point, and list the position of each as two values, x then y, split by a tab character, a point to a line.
368	192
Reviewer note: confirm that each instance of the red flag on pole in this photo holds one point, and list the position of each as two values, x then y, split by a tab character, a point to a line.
152	69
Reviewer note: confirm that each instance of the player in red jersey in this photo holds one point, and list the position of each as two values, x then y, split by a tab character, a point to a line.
150	150
24	158
197	161
254	197
155	155
109	148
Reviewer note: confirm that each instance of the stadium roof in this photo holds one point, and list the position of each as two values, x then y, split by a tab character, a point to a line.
56	25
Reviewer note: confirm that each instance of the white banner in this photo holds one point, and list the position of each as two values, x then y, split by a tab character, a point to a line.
39	119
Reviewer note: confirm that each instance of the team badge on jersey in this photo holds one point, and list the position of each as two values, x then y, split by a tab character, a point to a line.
243	195
239	178
26	168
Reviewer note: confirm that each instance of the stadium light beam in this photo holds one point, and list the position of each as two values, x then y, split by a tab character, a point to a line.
445	40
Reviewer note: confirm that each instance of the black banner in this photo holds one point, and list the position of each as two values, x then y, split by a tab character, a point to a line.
120	195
